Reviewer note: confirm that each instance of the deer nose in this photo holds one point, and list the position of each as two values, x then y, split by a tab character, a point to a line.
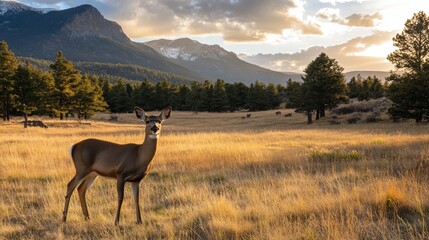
154	128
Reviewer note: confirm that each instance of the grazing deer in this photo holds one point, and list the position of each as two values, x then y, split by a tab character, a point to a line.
278	113
125	163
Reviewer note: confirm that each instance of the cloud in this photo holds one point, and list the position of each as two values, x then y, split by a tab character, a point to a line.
354	20
352	55
236	20
360	20
334	2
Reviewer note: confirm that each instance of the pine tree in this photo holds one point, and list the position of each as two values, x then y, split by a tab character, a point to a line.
219	101
258	98
119	101
293	94
144	95
354	87
205	98
8	67
324	84
88	98
273	96
409	91
184	103
66	80
162	93
32	88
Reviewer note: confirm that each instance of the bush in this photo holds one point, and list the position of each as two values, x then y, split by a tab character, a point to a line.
380	105
354	118
373	117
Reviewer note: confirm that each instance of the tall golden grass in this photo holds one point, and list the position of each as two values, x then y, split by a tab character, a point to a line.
218	176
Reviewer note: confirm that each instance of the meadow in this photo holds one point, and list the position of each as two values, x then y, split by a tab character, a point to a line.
218	176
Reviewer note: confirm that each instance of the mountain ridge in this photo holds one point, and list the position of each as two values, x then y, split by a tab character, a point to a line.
82	34
214	61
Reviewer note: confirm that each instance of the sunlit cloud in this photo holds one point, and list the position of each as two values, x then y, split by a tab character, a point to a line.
361	53
354	20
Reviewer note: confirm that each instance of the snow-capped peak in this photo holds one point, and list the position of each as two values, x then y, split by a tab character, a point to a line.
14	7
188	50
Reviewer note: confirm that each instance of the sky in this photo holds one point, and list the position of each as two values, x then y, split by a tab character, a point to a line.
283	35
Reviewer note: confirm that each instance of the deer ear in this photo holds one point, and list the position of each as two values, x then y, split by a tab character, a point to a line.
166	113
140	113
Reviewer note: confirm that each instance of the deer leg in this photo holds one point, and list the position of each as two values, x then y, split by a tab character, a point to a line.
76	180
120	187
135	187
83	187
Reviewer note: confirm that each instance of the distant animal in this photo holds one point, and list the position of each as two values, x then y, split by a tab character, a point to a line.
248	115
243	117
113	118
278	113
125	163
288	115
36	123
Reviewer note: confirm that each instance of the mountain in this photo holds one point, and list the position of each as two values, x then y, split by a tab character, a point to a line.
214	62
81	33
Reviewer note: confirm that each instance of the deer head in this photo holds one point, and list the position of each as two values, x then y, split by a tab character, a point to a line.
153	123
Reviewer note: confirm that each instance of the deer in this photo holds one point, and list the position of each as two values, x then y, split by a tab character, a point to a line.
123	162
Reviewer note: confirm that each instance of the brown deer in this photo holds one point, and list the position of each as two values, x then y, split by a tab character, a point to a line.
125	163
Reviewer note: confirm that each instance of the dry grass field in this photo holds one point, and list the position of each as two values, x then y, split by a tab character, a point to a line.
218	176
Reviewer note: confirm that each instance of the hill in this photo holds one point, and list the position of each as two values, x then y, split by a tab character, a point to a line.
114	71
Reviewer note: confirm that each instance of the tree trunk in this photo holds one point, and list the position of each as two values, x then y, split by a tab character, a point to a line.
309	117
61	109
7	110
25	120
317	114
4	110
322	112
419	118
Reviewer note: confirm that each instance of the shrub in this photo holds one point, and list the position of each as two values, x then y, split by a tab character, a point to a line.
380	104
354	118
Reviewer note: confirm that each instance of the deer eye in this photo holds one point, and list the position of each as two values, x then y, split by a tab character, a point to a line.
147	121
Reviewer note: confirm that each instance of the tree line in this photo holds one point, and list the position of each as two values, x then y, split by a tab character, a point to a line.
206	96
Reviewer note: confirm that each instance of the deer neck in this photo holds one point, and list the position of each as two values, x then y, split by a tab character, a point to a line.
147	149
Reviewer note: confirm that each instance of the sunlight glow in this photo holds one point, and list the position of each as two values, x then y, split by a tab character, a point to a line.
381	50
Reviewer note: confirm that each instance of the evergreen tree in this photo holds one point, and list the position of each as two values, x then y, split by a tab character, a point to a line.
162	95
231	92
144	95
409	91
273	96
354	87
66	80
205	99
195	95
8	67
293	94
32	88
219	102
242	95
184	98
324	84
258	98
88	98
119	101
